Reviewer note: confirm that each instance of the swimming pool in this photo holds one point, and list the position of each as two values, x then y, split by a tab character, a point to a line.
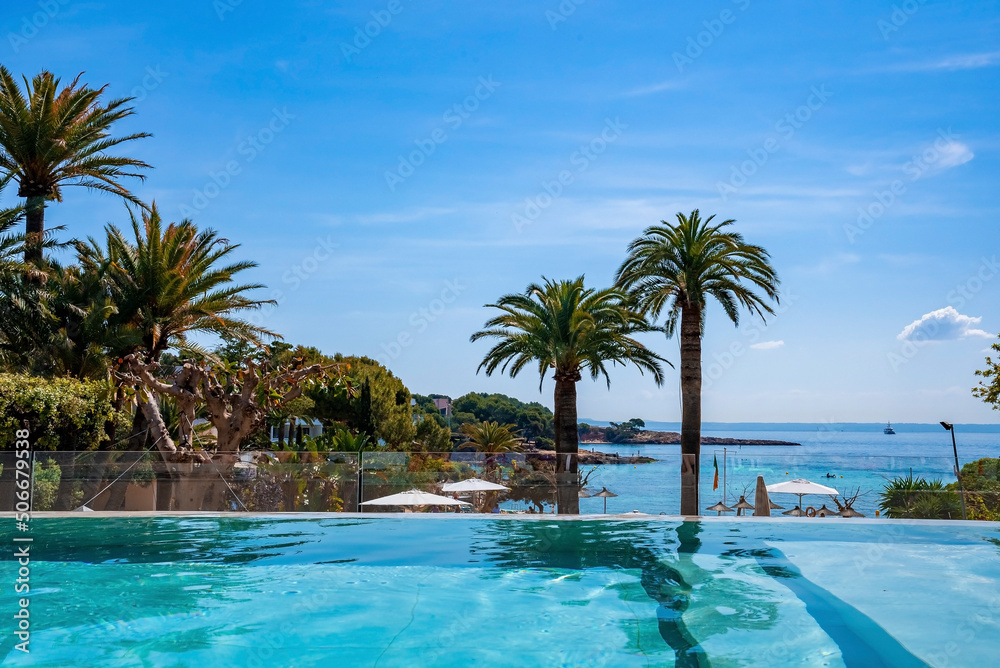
182	590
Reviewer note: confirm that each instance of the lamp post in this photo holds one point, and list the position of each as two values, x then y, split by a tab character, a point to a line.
958	471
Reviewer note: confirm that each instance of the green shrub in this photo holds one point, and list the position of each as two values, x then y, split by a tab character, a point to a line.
981	483
62	413
917	498
46	480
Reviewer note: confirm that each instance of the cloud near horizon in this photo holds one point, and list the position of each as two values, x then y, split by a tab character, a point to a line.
945	324
767	345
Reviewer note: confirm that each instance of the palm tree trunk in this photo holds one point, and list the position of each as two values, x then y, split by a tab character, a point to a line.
34	227
567	444
690	408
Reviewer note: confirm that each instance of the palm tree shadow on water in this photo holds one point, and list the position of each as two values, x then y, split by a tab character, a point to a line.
661	553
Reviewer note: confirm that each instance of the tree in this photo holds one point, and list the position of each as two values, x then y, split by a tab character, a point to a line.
492	437
381	407
563	326
620	432
989	390
672	270
237	398
532	419
432	436
50	138
172	281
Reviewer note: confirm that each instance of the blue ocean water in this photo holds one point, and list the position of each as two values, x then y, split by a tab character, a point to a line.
860	457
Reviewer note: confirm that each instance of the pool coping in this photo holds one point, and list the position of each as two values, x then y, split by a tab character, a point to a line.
41	514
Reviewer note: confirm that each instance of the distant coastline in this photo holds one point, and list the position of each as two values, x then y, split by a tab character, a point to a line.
598	437
856	427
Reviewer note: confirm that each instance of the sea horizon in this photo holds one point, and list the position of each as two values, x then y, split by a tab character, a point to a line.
900	427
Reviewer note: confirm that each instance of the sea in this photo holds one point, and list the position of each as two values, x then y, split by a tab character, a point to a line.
853	458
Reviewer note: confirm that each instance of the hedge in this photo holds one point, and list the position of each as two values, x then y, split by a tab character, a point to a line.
63	413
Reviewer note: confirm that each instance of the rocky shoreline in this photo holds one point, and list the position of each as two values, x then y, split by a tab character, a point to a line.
597	437
592	457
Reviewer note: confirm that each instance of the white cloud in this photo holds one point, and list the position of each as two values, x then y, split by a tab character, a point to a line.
953	154
860	170
831	264
767	345
945	324
969	61
408	216
672	84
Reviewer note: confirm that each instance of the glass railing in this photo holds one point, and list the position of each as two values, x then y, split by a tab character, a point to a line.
617	482
861	482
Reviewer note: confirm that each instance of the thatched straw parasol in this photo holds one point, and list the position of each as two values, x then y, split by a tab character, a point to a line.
850	512
794	512
720	507
826	512
742	505
605	494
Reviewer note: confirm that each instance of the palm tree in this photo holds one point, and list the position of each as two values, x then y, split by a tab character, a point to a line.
568	328
170	281
492	437
51	137
673	269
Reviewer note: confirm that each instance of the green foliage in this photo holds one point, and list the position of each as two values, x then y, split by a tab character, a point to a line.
492	437
52	137
619	432
531	419
545	443
46	477
989	389
565	326
339	440
433	437
381	407
676	266
169	280
981	484
63	413
917	498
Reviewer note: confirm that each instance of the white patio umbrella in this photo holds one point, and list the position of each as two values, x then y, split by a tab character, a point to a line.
473	485
800	487
415	497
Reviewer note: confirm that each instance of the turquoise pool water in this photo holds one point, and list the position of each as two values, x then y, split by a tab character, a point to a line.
460	591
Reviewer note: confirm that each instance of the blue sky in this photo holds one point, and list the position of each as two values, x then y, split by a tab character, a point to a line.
390	184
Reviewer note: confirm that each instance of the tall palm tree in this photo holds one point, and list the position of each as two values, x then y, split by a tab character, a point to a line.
171	280
51	137
568	328
673	269
492	437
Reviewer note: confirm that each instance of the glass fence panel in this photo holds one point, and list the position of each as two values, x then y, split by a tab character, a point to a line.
867	485
609	479
143	481
530	480
9	490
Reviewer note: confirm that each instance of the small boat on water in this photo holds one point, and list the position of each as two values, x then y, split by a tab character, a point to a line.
888	429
